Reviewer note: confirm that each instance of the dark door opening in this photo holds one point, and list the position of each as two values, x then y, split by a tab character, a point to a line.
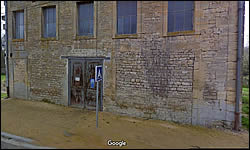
80	92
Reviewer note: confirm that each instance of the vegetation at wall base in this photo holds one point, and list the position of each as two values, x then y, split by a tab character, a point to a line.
245	108
3	78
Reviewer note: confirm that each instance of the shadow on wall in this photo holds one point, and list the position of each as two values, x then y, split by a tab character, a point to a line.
2	63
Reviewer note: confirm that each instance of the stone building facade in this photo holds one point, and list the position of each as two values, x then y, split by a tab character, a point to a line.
185	77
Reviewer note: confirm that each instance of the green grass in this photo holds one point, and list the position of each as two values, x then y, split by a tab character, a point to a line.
245	82
3	77
245	107
245	122
3	95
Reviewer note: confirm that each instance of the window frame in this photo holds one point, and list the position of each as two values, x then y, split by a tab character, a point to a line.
42	22
45	8
79	3
123	22
76	36
196	21
138	27
14	39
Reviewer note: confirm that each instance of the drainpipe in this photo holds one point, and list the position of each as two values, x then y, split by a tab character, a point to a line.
7	52
239	62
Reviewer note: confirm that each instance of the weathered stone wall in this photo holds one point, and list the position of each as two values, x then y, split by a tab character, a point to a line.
188	78
214	86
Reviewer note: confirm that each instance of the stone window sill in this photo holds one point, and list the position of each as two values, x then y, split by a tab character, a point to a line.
180	33
125	36
49	39
17	40
82	37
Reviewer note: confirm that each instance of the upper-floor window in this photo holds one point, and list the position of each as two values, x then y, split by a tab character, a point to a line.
180	16
3	18
85	18
126	17
19	25
49	26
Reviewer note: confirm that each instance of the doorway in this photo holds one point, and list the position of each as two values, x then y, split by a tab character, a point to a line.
81	94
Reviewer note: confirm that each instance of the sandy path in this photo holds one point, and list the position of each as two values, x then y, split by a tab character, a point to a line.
64	127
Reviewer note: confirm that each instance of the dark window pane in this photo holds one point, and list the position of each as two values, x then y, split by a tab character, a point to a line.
85	27
19	26
171	5
49	22
180	16
170	22
188	20
179	20
91	26
80	29
188	5
126	26
126	17
120	25
21	18
52	29
133	24
132	5
85	18
179	5
45	23
21	31
83	11
122	8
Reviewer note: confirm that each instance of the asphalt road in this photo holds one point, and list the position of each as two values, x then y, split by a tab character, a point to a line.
7	145
13	144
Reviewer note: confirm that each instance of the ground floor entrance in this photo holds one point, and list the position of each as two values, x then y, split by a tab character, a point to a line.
81	93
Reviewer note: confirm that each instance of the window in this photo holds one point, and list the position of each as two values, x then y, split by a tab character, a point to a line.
49	26
19	25
126	17
180	16
3	18
85	18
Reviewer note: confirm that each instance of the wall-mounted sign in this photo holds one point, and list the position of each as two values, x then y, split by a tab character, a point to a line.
98	73
92	83
77	78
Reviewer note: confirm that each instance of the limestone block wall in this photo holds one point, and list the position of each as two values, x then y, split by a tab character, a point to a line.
187	78
214	85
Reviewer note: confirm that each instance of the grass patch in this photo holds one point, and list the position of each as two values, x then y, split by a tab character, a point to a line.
245	108
245	96
47	101
245	122
245	91
3	95
3	77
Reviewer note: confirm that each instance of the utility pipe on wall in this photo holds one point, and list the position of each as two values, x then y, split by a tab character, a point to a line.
239	62
7	51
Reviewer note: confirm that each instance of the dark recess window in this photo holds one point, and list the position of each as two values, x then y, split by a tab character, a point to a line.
180	16
126	17
19	25
85	18
49	14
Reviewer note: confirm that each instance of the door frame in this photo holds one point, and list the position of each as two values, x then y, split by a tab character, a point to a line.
84	60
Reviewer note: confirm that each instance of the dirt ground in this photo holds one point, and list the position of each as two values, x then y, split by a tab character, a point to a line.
65	127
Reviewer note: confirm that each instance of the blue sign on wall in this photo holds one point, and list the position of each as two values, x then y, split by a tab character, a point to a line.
98	73
92	83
